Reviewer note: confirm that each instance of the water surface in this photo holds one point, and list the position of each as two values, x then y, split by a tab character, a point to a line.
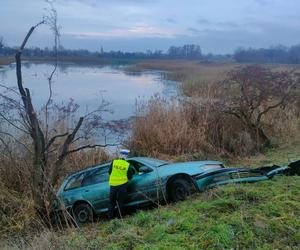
88	84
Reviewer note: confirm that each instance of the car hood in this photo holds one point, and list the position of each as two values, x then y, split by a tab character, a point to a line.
194	163
191	168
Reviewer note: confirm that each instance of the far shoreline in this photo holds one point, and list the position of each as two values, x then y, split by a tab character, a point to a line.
7	60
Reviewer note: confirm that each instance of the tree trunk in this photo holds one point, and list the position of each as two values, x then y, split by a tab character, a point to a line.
38	139
259	137
38	178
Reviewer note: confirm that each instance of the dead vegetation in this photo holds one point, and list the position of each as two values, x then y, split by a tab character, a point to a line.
251	109
48	144
193	72
6	60
35	144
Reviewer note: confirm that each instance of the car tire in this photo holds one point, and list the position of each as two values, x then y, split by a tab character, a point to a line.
180	189
83	213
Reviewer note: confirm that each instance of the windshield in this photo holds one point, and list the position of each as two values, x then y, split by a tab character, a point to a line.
154	162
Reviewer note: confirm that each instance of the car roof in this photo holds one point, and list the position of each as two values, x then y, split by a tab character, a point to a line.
149	161
89	168
145	160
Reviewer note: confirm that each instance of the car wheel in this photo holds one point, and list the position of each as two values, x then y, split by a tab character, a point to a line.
83	213
180	189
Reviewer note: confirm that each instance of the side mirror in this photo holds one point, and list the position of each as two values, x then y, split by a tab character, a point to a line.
144	170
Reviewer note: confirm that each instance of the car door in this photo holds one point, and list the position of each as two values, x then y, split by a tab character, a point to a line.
143	186
96	189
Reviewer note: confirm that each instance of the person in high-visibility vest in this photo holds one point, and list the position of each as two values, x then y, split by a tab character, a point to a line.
120	173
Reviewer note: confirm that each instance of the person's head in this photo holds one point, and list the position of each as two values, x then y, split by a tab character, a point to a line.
124	153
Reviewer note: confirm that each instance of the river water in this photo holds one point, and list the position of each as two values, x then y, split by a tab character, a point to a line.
88	84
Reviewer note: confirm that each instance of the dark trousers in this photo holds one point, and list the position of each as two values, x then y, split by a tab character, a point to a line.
118	195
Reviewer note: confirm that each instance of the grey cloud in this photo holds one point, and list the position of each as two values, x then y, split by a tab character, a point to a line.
217	25
171	20
193	30
262	2
211	24
94	3
227	24
202	20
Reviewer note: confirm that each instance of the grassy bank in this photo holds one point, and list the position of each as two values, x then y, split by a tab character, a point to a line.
280	156
192	73
185	70
262	215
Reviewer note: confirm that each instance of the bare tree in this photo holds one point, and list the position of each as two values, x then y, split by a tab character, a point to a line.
249	93
48	146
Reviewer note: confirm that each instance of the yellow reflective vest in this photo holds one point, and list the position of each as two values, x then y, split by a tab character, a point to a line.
118	174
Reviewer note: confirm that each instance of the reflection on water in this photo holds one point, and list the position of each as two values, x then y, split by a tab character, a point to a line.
85	84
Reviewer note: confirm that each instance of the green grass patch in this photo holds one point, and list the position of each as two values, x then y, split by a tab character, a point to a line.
263	215
278	155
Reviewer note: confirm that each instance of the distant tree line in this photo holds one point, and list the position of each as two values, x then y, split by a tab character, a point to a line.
277	54
187	51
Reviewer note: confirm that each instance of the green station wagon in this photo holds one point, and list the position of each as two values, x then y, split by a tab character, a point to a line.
86	192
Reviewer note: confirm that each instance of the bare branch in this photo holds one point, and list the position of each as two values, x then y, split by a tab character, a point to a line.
90	146
10	89
64	152
29	34
51	20
268	109
11	101
52	140
11	123
7	149
69	140
18	63
15	139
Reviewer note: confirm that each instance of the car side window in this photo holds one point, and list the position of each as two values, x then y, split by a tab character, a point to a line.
136	165
75	182
97	176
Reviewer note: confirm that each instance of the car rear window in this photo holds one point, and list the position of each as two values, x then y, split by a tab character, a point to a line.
98	176
89	177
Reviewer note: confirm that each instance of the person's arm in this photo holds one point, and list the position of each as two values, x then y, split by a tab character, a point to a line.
130	172
110	168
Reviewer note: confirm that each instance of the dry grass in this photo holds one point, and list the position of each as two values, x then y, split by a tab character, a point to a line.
17	212
193	127
184	70
189	129
5	60
163	129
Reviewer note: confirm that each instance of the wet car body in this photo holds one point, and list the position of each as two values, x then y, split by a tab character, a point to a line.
155	180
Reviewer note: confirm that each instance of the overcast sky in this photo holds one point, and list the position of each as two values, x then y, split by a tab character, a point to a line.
218	26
